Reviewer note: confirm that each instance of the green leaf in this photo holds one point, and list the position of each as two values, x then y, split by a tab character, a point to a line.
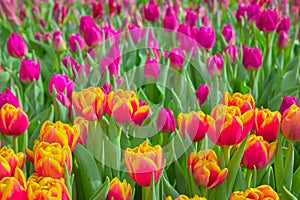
296	181
68	180
4	77
287	195
102	192
169	190
193	188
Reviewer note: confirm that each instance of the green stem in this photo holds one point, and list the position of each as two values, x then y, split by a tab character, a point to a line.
215	91
226	154
252	79
287	176
249	175
203	191
268	44
15	144
145	193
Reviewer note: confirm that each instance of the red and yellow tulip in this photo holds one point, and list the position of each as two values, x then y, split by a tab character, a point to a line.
143	161
205	168
126	107
244	101
82	125
260	193
119	190
13	121
89	103
39	187
290	125
184	197
65	134
9	161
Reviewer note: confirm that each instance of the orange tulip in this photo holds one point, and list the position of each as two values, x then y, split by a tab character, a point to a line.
290	123
205	168
183	197
143	161
39	187
82	125
244	101
13	121
89	103
119	190
260	193
62	133
9	161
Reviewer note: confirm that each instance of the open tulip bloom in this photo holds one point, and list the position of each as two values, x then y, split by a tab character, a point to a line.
144	100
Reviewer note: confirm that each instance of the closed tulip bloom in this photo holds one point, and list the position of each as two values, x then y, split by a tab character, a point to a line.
183	32
240	13
82	125
65	134
252	58
253	11
119	190
143	161
228	125
8	97
13	121
136	33
76	40
244	101
287	101
89	103
12	188
284	25
202	93
151	11
49	159
126	107
151	69
259	193
191	18
262	150
58	41
16	46
267	124
290	123
170	22
29	71
9	161
195	124
267	20
214	65
229	34
205	36
232	52
39	187
184	197
61	83
205	168
92	35
176	57
165	122
283	40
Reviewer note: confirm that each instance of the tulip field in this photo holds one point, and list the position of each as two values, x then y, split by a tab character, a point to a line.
149	100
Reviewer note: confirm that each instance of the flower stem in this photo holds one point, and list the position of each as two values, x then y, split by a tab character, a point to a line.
287	176
252	79
249	175
145	193
226	154
15	144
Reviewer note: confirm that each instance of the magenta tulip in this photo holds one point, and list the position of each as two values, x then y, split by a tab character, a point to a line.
75	40
165	122
151	11
205	36
191	18
29	71
252	58
8	97
287	101
151	69
202	93
229	34
61	83
16	46
267	20
214	64
284	25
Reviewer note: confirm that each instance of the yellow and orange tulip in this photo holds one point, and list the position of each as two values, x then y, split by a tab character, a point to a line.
205	168
244	101
290	125
260	193
89	103
143	161
184	197
82	125
13	121
9	161
119	190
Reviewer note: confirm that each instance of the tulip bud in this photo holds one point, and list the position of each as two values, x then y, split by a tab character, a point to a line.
75	40
82	126
283	40
97	9
241	10
61	83
284	25
143	162
16	46
290	123
202	93
267	20
287	101
11	188
136	33
13	121
252	58
170	22
176	57
205	21
229	34
151	69
261	192
29	71
205	36
253	11
232	52
184	31
151	11
205	168
191	18
214	65
165	122
9	98
119	190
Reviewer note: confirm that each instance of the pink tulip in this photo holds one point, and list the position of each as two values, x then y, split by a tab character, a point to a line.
267	20
214	65
283	40
202	93
58	41
284	25
29	71
176	58
229	34
16	46
232	52
205	36
75	40
151	69
165	122
151	11
9	97
287	101
252	58
191	18
61	83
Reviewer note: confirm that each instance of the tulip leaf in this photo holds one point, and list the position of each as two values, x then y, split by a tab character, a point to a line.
67	178
296	181
193	188
4	77
287	195
87	172
61	112
169	189
102	192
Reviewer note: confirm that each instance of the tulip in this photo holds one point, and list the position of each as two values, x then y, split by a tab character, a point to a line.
111	61
61	83
143	162
202	93
75	40
205	36
191	18
119	190
12	188
64	100
126	108
253	11
176	57
39	187
232	52
252	58
240	12
267	20
170	22
69	61
261	192
284	25
229	34
267	124
92	33
195	124
8	97
89	103
183	197
29	71
82	126
184	32
13	121
283	40
151	69
38	36
228	125
59	132
59	13
290	123
244	101
287	101
16	46
205	168
136	33
214	65
49	159
97	9
9	162
165	122
151	11
205	21
58	41
262	150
